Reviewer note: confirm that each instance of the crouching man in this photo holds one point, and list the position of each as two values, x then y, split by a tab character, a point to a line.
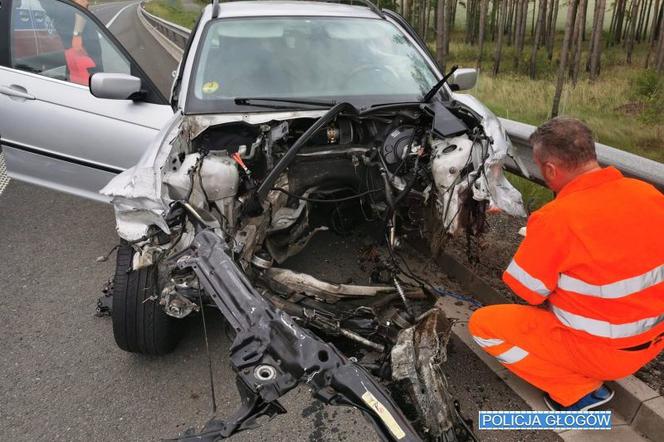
596	254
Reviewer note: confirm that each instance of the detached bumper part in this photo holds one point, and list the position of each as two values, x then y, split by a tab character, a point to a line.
420	384
271	354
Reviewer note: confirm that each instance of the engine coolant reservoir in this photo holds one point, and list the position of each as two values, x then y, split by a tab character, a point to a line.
219	179
219	176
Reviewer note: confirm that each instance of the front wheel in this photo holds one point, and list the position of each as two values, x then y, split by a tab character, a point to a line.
139	322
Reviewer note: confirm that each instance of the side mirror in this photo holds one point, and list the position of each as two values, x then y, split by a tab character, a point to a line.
463	79
116	86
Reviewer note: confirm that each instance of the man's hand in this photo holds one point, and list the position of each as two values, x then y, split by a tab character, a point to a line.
79	25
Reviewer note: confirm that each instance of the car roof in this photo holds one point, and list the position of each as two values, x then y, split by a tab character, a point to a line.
291	8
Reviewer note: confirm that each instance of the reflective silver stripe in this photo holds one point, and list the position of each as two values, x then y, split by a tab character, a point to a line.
616	289
487	342
514	354
526	279
603	328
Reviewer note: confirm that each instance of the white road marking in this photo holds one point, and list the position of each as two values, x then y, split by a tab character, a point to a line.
102	7
4	179
110	22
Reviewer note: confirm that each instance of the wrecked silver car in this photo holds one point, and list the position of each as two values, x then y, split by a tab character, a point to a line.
291	121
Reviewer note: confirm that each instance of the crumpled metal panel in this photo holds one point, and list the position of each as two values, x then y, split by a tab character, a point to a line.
416	369
199	123
502	194
287	282
271	354
136	193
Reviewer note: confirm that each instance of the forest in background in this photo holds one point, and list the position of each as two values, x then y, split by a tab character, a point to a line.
532	26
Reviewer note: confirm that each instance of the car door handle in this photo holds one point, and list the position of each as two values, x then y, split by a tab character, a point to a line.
16	91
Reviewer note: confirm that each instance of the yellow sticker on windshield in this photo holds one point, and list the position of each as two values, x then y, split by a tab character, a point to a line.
210	87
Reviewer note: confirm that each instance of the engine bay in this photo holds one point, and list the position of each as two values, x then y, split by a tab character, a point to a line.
389	165
238	197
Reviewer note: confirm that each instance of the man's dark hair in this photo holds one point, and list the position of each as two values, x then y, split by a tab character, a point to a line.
566	140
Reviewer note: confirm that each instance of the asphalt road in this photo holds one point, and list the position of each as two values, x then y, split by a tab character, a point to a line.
63	378
157	63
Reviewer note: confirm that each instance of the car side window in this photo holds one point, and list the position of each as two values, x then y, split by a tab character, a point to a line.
56	40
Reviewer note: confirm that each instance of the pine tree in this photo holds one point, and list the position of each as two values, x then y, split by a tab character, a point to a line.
441	33
502	19
484	6
594	58
539	32
564	55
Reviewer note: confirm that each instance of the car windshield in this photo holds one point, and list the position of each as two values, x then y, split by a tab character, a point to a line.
360	60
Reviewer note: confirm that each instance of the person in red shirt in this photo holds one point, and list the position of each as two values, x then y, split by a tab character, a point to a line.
592	268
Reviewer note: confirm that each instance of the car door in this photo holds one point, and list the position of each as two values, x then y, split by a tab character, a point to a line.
53	131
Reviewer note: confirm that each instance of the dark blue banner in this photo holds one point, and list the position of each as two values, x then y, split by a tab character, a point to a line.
545	420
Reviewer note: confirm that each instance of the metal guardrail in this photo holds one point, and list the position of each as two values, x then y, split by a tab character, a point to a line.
177	34
630	164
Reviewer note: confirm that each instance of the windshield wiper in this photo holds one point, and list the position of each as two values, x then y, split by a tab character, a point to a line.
425	99
388	106
251	101
436	87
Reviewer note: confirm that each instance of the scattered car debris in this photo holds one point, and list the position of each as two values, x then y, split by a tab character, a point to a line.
105	301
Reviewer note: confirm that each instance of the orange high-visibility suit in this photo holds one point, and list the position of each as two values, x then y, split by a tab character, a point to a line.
596	253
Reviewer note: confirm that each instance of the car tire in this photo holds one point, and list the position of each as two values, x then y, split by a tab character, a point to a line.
139	323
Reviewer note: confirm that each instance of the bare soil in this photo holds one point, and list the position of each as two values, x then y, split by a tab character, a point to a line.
347	259
490	256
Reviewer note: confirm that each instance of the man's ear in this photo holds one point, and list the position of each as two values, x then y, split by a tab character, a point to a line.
550	171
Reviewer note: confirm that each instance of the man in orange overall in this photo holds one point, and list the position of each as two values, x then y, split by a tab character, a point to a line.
596	254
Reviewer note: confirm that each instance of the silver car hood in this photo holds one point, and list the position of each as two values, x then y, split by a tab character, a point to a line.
140	202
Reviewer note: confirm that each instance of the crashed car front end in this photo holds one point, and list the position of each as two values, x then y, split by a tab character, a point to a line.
293	121
253	189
